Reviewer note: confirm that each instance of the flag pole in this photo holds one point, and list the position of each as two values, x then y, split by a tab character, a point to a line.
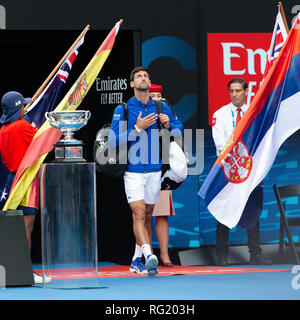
38	92
45	138
283	16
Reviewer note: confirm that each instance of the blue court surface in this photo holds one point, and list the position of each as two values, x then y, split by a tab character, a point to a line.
275	282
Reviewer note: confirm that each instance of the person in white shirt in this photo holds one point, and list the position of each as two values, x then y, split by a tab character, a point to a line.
224	121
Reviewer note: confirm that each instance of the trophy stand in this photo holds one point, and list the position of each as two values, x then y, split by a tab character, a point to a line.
68	214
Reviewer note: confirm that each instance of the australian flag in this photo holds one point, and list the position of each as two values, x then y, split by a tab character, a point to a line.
49	98
278	38
5	183
45	102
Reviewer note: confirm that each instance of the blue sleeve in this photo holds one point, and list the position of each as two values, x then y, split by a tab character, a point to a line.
173	121
119	133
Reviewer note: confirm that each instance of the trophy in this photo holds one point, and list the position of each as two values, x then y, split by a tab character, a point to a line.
68	149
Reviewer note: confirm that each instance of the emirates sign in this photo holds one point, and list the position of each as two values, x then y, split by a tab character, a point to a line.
234	55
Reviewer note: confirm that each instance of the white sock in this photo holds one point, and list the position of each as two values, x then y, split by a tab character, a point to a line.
146	249
138	252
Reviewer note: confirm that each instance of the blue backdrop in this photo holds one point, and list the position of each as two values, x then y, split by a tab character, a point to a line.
193	225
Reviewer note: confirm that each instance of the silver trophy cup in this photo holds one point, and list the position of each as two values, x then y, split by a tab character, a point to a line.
68	149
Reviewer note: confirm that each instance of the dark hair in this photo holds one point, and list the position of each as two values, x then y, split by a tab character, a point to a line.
137	69
238	80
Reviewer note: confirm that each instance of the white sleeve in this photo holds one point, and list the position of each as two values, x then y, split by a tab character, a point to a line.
218	131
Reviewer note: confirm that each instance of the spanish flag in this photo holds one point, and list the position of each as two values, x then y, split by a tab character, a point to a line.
25	187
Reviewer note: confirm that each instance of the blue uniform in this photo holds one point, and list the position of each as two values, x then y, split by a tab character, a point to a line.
143	148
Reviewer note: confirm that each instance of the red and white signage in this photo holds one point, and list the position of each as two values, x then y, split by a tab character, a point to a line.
234	55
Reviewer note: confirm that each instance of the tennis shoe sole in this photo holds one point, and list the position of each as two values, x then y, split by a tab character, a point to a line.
151	265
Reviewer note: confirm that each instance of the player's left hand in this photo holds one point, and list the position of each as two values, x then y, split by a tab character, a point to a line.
164	119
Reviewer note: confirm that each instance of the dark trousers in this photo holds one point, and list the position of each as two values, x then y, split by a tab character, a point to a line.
223	235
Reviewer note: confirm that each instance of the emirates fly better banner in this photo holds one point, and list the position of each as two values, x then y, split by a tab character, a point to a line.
234	55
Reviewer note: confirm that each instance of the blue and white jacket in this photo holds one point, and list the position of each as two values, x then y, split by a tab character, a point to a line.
143	148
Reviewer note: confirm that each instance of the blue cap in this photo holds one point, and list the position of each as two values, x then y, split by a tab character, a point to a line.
12	103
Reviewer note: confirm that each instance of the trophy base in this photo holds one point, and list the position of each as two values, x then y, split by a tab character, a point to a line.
69	160
68	153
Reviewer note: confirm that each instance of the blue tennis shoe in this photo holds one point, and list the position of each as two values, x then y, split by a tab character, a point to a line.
138	266
151	265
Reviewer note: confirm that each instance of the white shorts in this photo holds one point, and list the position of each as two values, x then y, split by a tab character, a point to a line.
142	186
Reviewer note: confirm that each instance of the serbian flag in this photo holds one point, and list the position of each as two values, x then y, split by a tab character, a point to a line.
279	36
35	114
271	118
26	176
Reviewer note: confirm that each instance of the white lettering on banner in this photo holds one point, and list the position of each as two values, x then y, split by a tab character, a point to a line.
115	97
111	98
250	91
110	85
251	60
104	98
2	17
228	54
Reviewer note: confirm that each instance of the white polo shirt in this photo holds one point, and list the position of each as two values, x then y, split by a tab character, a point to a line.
223	124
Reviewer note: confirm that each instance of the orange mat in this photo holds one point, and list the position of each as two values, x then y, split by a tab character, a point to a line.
123	271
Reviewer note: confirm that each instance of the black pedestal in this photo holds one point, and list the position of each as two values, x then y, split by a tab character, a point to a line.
15	259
